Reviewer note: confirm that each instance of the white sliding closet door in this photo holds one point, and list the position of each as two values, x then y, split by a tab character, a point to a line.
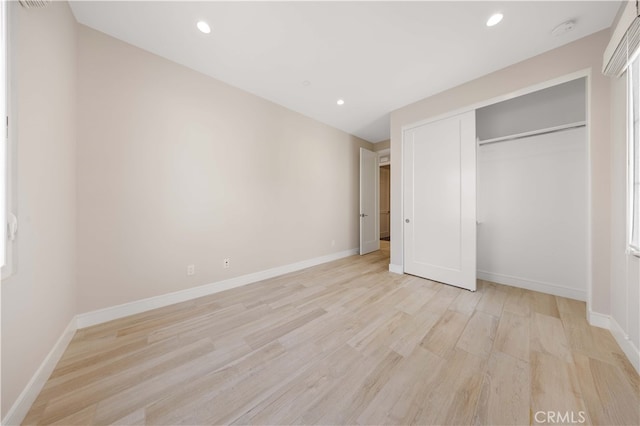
439	172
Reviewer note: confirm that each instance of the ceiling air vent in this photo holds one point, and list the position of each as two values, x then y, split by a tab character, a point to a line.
34	3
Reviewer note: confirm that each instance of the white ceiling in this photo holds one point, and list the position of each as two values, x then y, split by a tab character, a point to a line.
378	56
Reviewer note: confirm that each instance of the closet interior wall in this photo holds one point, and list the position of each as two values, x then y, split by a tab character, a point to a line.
533	191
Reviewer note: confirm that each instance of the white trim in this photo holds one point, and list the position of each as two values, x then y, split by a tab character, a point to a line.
100	316
382	153
583	73
589	206
396	269
20	408
556	290
627	346
599	320
11	265
521	92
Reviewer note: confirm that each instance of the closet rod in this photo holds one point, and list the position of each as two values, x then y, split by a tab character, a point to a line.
548	130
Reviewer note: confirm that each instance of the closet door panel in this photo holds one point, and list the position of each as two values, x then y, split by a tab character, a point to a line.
439	167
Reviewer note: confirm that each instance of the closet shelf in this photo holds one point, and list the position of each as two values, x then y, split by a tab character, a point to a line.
554	129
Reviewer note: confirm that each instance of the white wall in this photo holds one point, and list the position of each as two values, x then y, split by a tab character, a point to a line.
39	300
177	168
581	55
171	168
379	146
532	209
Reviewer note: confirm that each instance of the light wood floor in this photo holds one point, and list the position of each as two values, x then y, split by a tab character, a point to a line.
344	343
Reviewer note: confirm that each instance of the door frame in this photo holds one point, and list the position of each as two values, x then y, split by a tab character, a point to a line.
583	73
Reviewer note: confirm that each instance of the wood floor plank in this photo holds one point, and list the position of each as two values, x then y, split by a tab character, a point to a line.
466	302
443	298
83	417
372	385
445	334
95	391
132	419
454	400
177	405
379	408
412	400
505	395
290	402
413	304
554	386
518	301
479	334
262	337
512	337
342	343
548	336
544	304
145	392
492	302
413	333
609	396
333	407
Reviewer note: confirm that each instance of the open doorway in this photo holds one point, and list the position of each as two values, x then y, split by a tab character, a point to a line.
384	160
385	203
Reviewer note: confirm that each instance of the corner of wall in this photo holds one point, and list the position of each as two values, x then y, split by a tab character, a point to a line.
27	397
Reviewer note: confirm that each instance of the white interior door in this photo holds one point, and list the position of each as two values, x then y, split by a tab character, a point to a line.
439	175
369	190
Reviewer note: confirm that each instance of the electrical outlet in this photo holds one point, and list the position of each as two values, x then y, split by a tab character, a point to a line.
226	263
191	269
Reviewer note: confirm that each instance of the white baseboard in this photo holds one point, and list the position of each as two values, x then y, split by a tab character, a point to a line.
599	320
627	346
396	269
20	408
542	287
100	316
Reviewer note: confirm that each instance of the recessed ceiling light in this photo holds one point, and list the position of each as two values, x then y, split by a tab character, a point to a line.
494	19
306	83
340	102
203	27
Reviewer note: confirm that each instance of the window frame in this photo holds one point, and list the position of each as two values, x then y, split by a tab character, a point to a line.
4	138
633	156
8	191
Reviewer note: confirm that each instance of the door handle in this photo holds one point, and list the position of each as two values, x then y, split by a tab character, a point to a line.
363	215
407	220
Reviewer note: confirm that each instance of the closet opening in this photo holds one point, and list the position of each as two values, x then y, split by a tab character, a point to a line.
532	191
